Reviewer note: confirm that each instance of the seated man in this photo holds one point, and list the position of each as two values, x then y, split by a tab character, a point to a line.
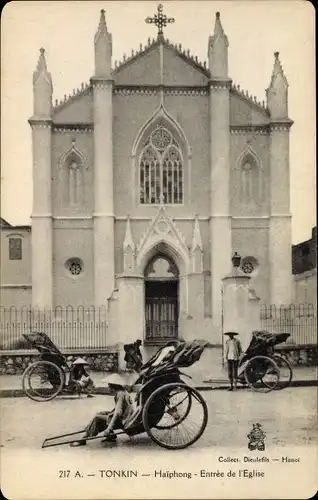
81	377
108	421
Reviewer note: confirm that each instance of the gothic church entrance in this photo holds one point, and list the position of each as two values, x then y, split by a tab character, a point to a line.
161	300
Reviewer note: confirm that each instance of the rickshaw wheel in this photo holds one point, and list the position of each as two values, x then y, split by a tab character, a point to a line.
186	412
285	377
257	369
43	381
187	427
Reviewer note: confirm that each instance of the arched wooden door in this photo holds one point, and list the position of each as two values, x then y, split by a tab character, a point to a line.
161	300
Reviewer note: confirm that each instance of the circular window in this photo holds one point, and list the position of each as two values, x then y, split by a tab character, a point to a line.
250	266
74	266
161	138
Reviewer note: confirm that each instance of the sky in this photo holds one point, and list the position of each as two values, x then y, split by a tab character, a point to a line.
255	30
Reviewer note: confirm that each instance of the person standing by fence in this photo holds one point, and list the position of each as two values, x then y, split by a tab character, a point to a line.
133	356
233	351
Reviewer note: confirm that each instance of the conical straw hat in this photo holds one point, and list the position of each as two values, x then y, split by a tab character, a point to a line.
116	379
80	361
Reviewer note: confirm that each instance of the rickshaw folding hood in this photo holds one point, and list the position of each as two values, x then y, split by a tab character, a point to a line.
279	338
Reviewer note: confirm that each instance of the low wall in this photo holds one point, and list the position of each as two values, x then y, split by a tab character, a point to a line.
306	355
15	362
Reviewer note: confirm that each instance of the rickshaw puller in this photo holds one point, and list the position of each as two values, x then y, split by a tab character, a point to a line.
108	421
233	351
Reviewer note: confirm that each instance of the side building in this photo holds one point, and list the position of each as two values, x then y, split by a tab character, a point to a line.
304	259
16	268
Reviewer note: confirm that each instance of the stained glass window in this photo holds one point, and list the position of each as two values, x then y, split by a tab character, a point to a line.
161	170
15	248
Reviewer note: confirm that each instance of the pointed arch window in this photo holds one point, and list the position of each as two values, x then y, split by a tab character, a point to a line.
161	169
75	183
73	165
250	180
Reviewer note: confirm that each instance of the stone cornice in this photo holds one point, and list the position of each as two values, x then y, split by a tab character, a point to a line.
249	129
155	89
136	90
40	122
189	91
67	128
220	84
101	83
149	218
72	217
280	125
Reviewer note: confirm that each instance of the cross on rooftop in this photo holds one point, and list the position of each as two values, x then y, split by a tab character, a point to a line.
160	20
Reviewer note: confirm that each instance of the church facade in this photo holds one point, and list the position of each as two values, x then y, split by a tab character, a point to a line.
149	178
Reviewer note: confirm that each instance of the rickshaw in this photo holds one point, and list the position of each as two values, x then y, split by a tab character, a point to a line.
51	374
261	367
173	414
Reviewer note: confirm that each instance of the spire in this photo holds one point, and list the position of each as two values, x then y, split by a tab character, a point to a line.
218	51
41	66
196	238
277	93
218	28
103	49
42	89
278	73
41	69
102	28
129	249
196	248
128	241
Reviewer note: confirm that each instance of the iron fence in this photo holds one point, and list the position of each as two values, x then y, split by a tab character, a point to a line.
299	320
68	327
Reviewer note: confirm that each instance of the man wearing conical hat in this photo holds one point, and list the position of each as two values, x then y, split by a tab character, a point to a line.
233	351
80	376
108	421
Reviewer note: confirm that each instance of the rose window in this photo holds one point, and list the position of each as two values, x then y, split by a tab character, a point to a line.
161	139
250	266
74	266
247	267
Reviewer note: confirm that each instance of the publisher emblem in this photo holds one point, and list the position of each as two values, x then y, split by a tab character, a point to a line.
256	438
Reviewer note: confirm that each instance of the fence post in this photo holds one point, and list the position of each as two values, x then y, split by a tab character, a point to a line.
241	311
